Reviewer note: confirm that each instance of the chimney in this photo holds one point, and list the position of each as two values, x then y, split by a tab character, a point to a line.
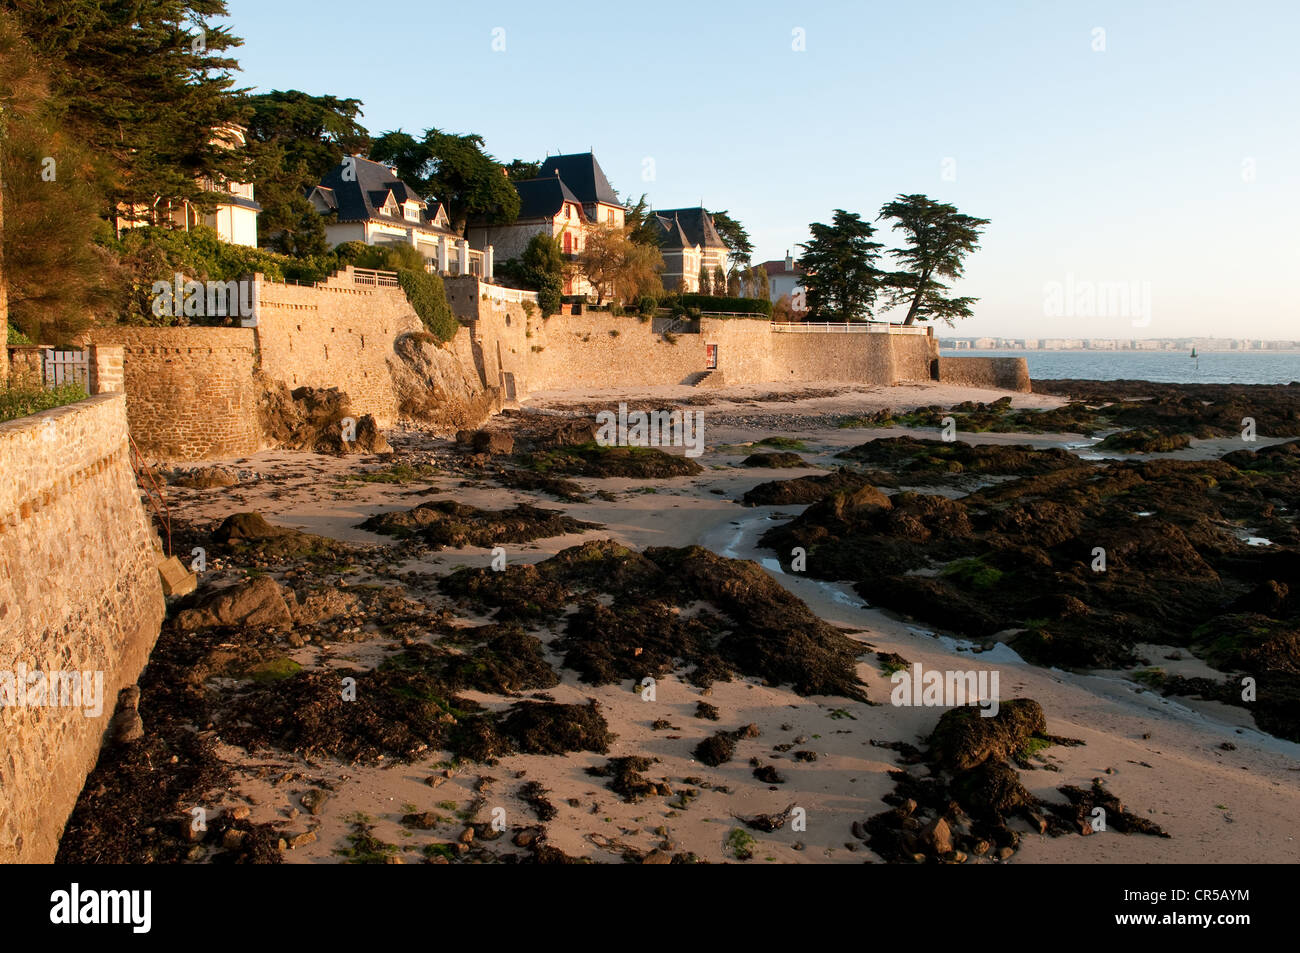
789	262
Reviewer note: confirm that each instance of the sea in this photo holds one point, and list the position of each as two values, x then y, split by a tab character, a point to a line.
1175	367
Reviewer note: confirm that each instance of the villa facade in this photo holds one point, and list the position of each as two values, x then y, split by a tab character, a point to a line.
367	202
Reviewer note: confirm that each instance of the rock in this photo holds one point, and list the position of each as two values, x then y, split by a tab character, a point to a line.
318	605
424	820
657	856
233	839
1005	852
176	579
492	442
203	478
239	812
937	836
467	835
314	801
964	739
127	726
258	602
300	840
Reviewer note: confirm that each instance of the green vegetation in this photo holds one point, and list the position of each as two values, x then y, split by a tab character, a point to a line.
693	305
781	443
365	847
397	473
973	573
274	670
741	843
22	401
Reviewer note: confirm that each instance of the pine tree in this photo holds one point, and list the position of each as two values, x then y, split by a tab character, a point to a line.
146	88
938	240
841	277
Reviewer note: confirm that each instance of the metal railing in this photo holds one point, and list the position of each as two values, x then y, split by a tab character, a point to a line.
847	327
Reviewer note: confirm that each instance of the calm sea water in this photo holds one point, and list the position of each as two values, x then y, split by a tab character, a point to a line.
1178	367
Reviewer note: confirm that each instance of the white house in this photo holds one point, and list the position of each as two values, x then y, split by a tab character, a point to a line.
367	202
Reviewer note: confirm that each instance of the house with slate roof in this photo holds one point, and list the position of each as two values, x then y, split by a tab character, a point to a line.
367	202
688	242
569	196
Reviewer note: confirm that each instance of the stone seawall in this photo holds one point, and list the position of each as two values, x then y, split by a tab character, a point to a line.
599	350
337	334
998	373
191	394
79	591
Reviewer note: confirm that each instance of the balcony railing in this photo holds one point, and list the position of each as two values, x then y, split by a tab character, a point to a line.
847	327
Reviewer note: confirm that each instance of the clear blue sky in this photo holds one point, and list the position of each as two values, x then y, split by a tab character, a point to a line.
1170	159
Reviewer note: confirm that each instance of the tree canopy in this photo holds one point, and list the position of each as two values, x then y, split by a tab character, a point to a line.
454	169
619	268
740	251
294	139
144	87
938	239
841	279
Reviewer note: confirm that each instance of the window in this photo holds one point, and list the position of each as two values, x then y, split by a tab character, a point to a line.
412	213
568	243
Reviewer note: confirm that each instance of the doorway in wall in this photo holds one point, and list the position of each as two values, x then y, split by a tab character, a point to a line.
711	357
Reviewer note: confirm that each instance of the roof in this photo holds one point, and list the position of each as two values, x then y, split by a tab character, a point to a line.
777	267
360	198
697	223
583	174
670	233
543	197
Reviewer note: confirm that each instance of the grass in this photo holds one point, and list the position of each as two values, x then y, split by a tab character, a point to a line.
782	443
22	401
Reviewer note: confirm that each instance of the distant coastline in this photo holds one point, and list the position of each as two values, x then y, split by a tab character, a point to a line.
1176	367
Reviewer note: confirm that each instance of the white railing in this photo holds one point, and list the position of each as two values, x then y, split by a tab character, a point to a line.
847	327
506	295
368	276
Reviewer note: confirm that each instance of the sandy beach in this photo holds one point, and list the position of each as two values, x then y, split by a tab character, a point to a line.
1202	771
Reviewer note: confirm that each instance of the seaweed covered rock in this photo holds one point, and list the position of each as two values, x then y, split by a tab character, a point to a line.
779	460
965	739
443	523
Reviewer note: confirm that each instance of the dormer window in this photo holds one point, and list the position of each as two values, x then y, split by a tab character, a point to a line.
412	212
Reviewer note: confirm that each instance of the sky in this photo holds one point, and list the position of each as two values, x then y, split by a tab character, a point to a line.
1139	162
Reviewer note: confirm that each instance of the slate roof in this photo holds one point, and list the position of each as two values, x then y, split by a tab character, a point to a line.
543	197
697	223
583	174
361	199
670	233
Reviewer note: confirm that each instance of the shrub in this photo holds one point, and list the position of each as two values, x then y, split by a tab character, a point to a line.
616	309
646	305
427	296
16	338
23	401
548	299
708	303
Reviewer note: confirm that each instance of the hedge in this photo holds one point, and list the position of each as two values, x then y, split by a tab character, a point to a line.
719	303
